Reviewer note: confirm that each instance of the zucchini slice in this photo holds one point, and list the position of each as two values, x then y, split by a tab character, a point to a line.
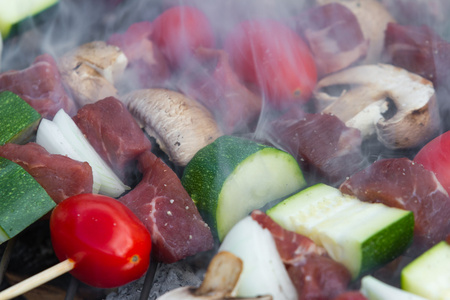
429	274
23	199
13	12
17	118
360	235
233	176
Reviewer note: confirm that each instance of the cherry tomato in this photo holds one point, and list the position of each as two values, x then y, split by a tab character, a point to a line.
273	57
180	30
435	156
108	243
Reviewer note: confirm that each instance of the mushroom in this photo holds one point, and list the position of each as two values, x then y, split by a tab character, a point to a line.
220	279
180	125
89	71
398	106
373	18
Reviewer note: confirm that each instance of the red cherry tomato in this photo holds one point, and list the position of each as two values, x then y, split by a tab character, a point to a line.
273	57
108	243
179	31
435	156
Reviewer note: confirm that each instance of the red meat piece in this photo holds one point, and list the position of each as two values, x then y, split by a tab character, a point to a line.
168	212
418	12
114	133
402	183
319	278
420	50
314	274
212	81
146	63
322	144
40	86
292	247
334	35
59	175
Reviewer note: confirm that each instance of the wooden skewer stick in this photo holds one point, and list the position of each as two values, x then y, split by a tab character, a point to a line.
37	280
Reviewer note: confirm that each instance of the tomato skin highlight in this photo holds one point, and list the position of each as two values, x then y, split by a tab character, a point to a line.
109	244
179	31
435	156
272	56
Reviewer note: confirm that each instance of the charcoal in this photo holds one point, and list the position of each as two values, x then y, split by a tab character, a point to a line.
167	277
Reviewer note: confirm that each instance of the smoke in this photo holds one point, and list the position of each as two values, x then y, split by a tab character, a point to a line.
71	23
74	22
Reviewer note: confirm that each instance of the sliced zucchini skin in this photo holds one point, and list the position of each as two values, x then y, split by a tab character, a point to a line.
217	161
17	118
23	199
376	252
206	174
360	235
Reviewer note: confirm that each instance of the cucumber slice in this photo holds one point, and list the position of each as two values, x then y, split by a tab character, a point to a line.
23	199
17	118
12	12
429	274
375	289
358	234
233	176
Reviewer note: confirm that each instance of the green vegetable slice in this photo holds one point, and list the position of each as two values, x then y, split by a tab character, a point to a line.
360	235
17	118
429	274
13	12
23	199
233	176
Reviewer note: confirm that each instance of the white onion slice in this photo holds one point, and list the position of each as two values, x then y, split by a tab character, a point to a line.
52	139
77	147
264	272
375	289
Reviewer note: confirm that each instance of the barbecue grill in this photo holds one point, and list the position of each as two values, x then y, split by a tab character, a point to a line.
31	252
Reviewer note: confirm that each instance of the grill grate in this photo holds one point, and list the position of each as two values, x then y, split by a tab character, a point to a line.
72	289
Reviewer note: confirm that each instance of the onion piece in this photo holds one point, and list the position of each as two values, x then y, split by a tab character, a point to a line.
264	272
375	289
53	140
67	139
